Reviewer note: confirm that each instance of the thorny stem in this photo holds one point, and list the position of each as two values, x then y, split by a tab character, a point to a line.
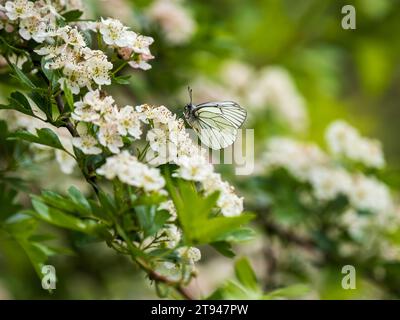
153	275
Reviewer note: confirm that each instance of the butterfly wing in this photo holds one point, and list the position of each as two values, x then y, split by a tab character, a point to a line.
217	122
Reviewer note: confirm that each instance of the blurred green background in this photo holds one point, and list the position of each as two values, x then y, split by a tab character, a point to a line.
348	74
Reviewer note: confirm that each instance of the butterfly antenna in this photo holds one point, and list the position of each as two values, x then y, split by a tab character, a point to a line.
190	94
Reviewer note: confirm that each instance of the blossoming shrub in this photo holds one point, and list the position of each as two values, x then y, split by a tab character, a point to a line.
156	195
333	204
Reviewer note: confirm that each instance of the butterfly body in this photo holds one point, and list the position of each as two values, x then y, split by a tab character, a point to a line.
215	122
188	112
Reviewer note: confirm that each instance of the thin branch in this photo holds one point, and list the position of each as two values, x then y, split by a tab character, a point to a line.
153	275
68	123
287	235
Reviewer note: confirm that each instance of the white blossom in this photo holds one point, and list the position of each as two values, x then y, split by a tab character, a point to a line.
129	122
20	9
296	157
33	28
274	88
369	194
344	140
329	183
114	33
87	144
193	168
65	161
190	254
129	170
175	21
174	235
170	207
110	138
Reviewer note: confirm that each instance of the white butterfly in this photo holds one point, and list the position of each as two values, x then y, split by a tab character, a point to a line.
216	123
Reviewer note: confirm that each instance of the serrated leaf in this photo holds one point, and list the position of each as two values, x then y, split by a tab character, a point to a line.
23	78
44	136
215	228
18	102
61	219
42	102
81	203
195	214
57	201
150	219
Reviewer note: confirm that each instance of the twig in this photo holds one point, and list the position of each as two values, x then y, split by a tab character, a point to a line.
272	228
181	289
68	124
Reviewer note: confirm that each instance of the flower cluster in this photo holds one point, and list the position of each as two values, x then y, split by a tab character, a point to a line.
126	144
34	19
65	48
167	140
176	23
132	172
344	140
131	46
309	164
368	209
101	124
80	65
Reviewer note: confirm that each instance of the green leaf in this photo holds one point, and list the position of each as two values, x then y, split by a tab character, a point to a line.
51	75
23	78
239	235
44	136
21	227
213	229
8	202
36	254
122	79
195	214
223	248
72	15
245	274
150	219
61	219
81	203
18	102
69	97
57	201
42	102
107	203
294	291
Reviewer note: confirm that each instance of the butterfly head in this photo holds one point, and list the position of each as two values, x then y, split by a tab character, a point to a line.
187	111
189	107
